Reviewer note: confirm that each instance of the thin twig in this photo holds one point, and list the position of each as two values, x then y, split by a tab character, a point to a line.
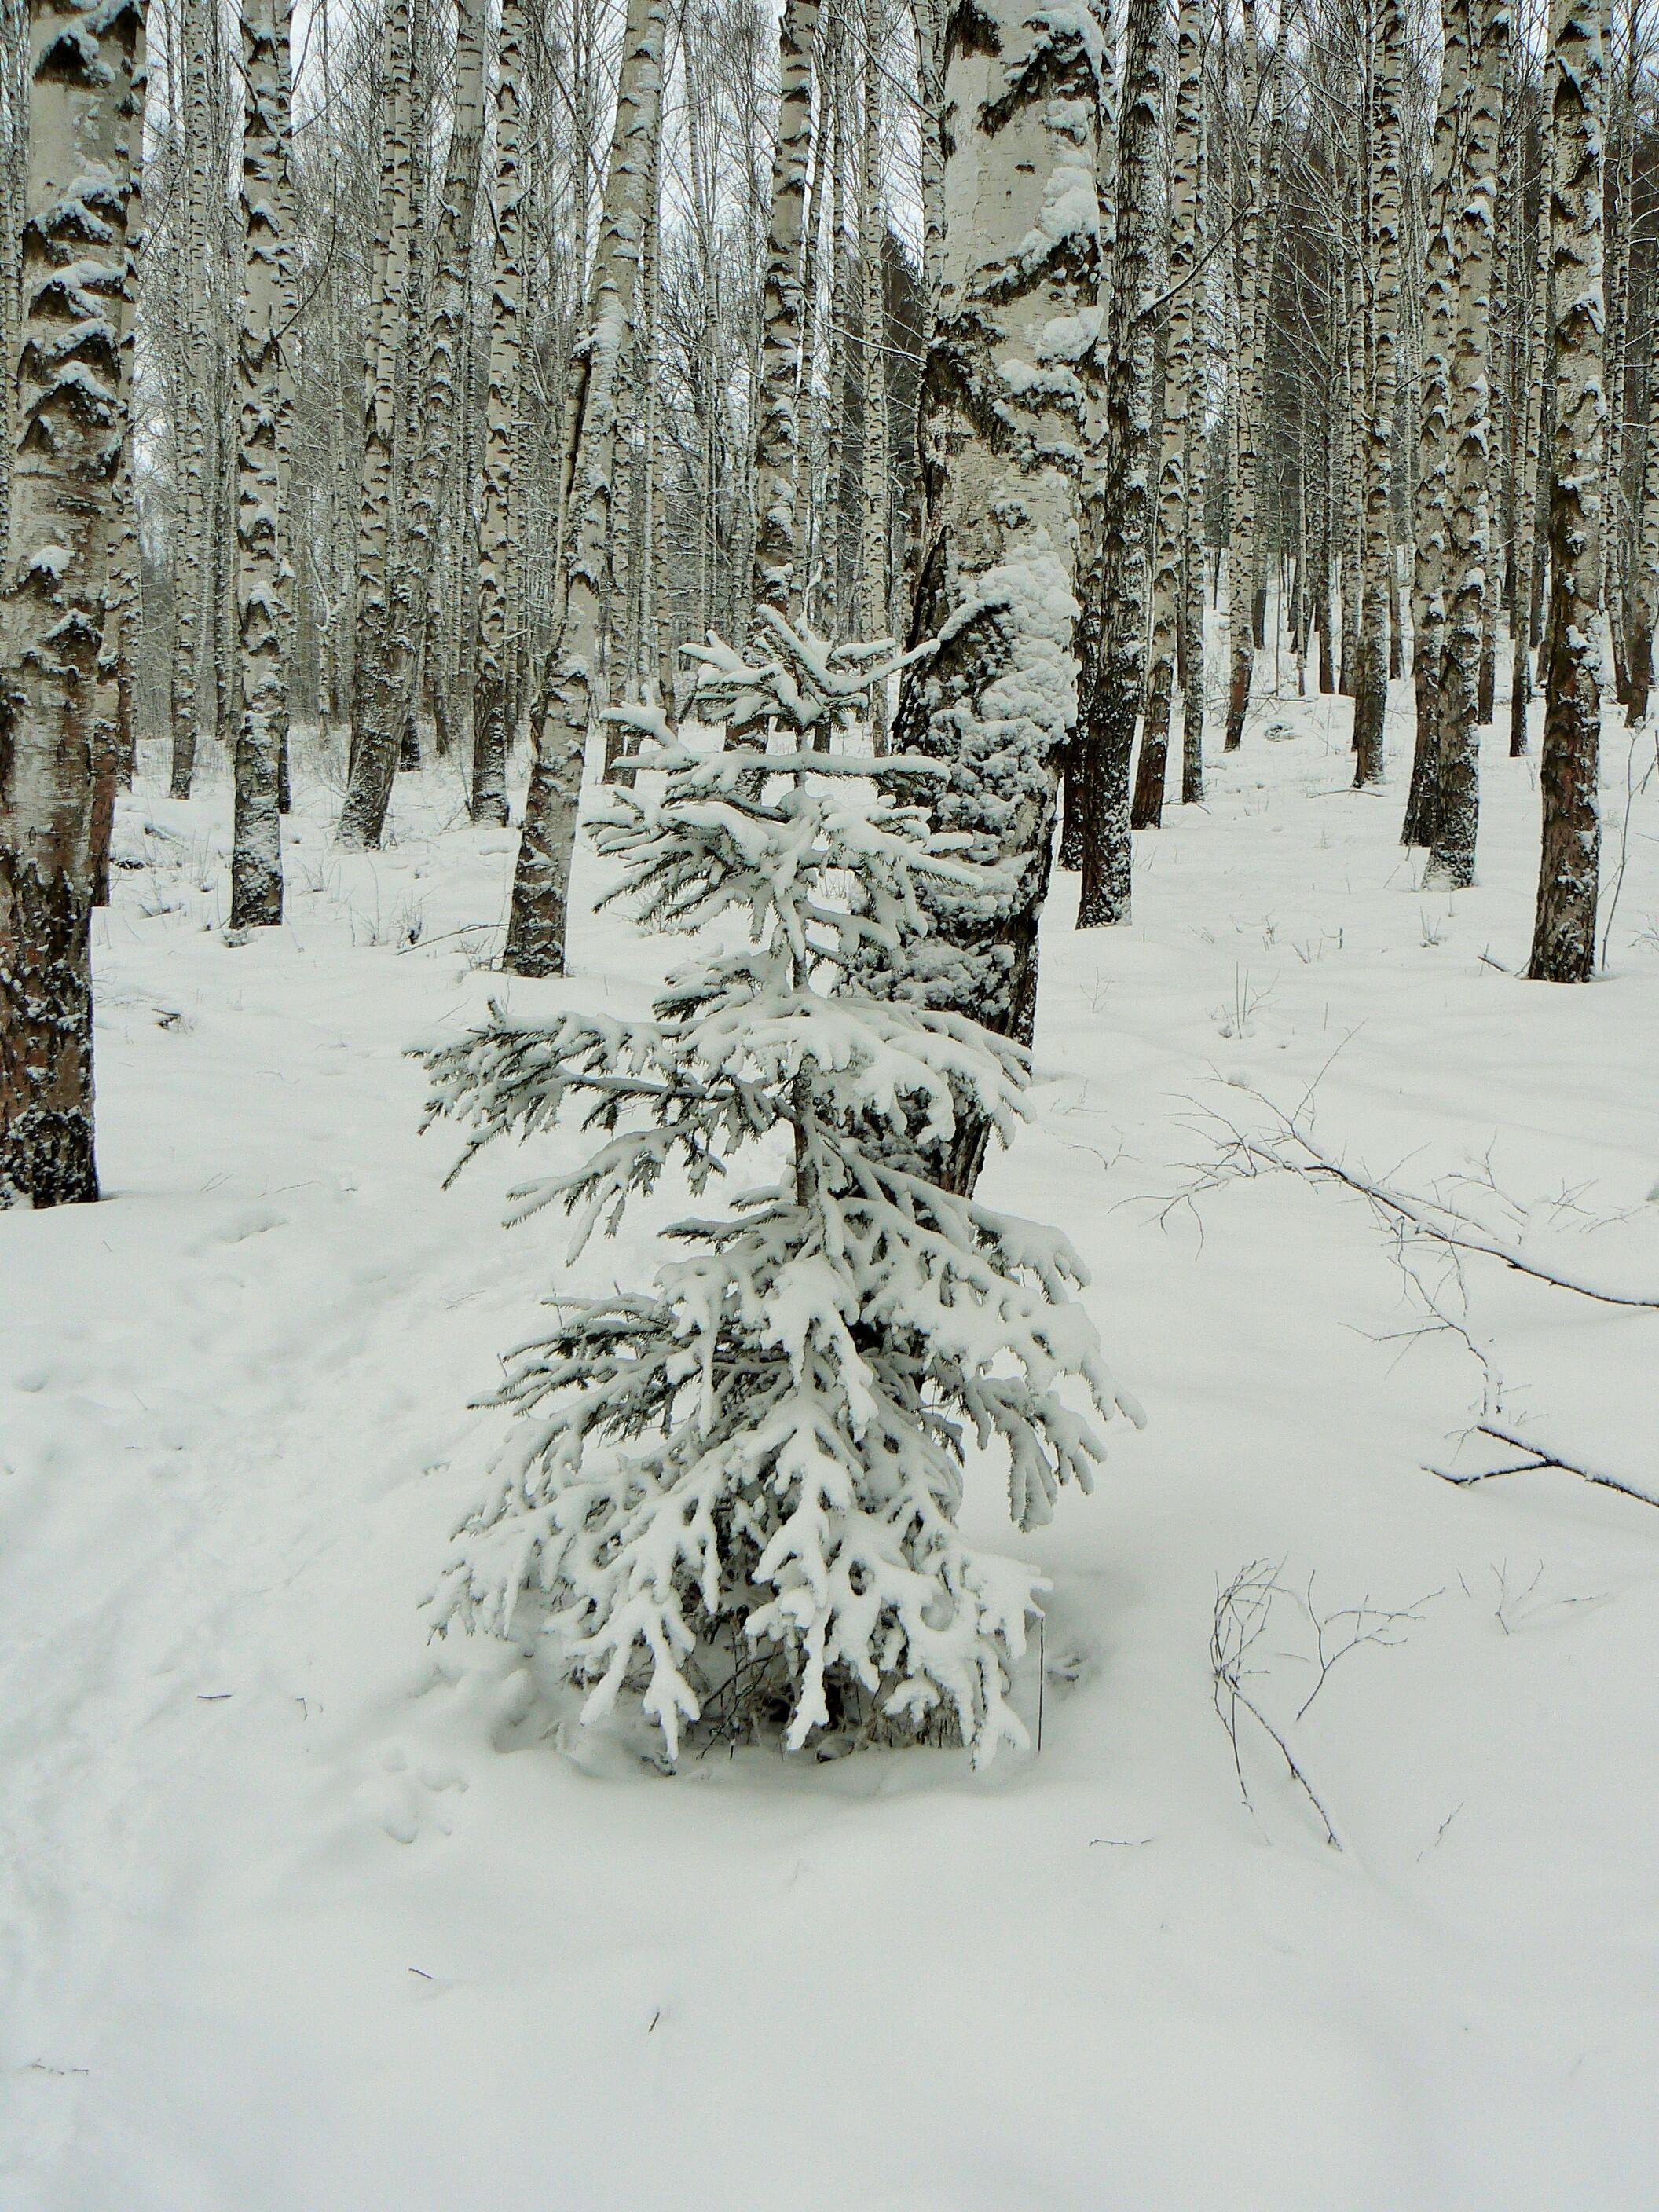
1537	1459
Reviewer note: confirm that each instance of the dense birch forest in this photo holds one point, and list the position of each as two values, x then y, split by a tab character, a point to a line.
963	692
454	368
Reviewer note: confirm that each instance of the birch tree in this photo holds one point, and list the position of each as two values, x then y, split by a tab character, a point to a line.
1008	392
1173	533
875	504
1563	934
1241	547
1432	517
1456	782
536	926
256	871
194	564
777	436
389	699
1645	595
489	730
1112	687
1381	302
1529	449
68	417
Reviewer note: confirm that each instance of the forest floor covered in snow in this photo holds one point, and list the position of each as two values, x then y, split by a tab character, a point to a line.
300	1911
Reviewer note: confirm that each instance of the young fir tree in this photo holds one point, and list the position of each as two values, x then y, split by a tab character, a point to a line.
734	1496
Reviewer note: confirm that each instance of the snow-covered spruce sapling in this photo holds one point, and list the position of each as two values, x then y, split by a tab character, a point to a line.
735	1495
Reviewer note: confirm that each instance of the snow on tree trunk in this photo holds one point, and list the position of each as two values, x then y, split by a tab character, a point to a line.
1382	293
1173	524
536	926
256	865
1468	384
68	420
777	436
1113	689
1564	934
1008	394
490	730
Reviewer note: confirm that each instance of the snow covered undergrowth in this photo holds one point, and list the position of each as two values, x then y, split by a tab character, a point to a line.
300	1911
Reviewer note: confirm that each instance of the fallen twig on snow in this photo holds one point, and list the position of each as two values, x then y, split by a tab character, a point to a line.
1538	1458
1291	1149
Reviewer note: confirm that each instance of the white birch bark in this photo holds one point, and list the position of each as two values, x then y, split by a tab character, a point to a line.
68	417
1530	443
1564	932
1645	590
1431	506
536	925
874	506
193	564
429	429
489	738
1171	516
256	864
777	432
1382	293
1241	545
1112	689
1008	395
113	726
1468	384
388	331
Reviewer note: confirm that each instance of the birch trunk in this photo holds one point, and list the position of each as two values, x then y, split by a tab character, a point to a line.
1432	506
67	415
387	330
1172	514
873	617
193	563
490	730
1457	776
1564	934
1498	481
255	865
1241	548
1003	453
1644	594
1376	425
536	926
393	696
113	738
777	439
928	18
1111	702
1194	699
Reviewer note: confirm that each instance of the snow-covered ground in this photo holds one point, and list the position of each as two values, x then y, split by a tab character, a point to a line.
300	1912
